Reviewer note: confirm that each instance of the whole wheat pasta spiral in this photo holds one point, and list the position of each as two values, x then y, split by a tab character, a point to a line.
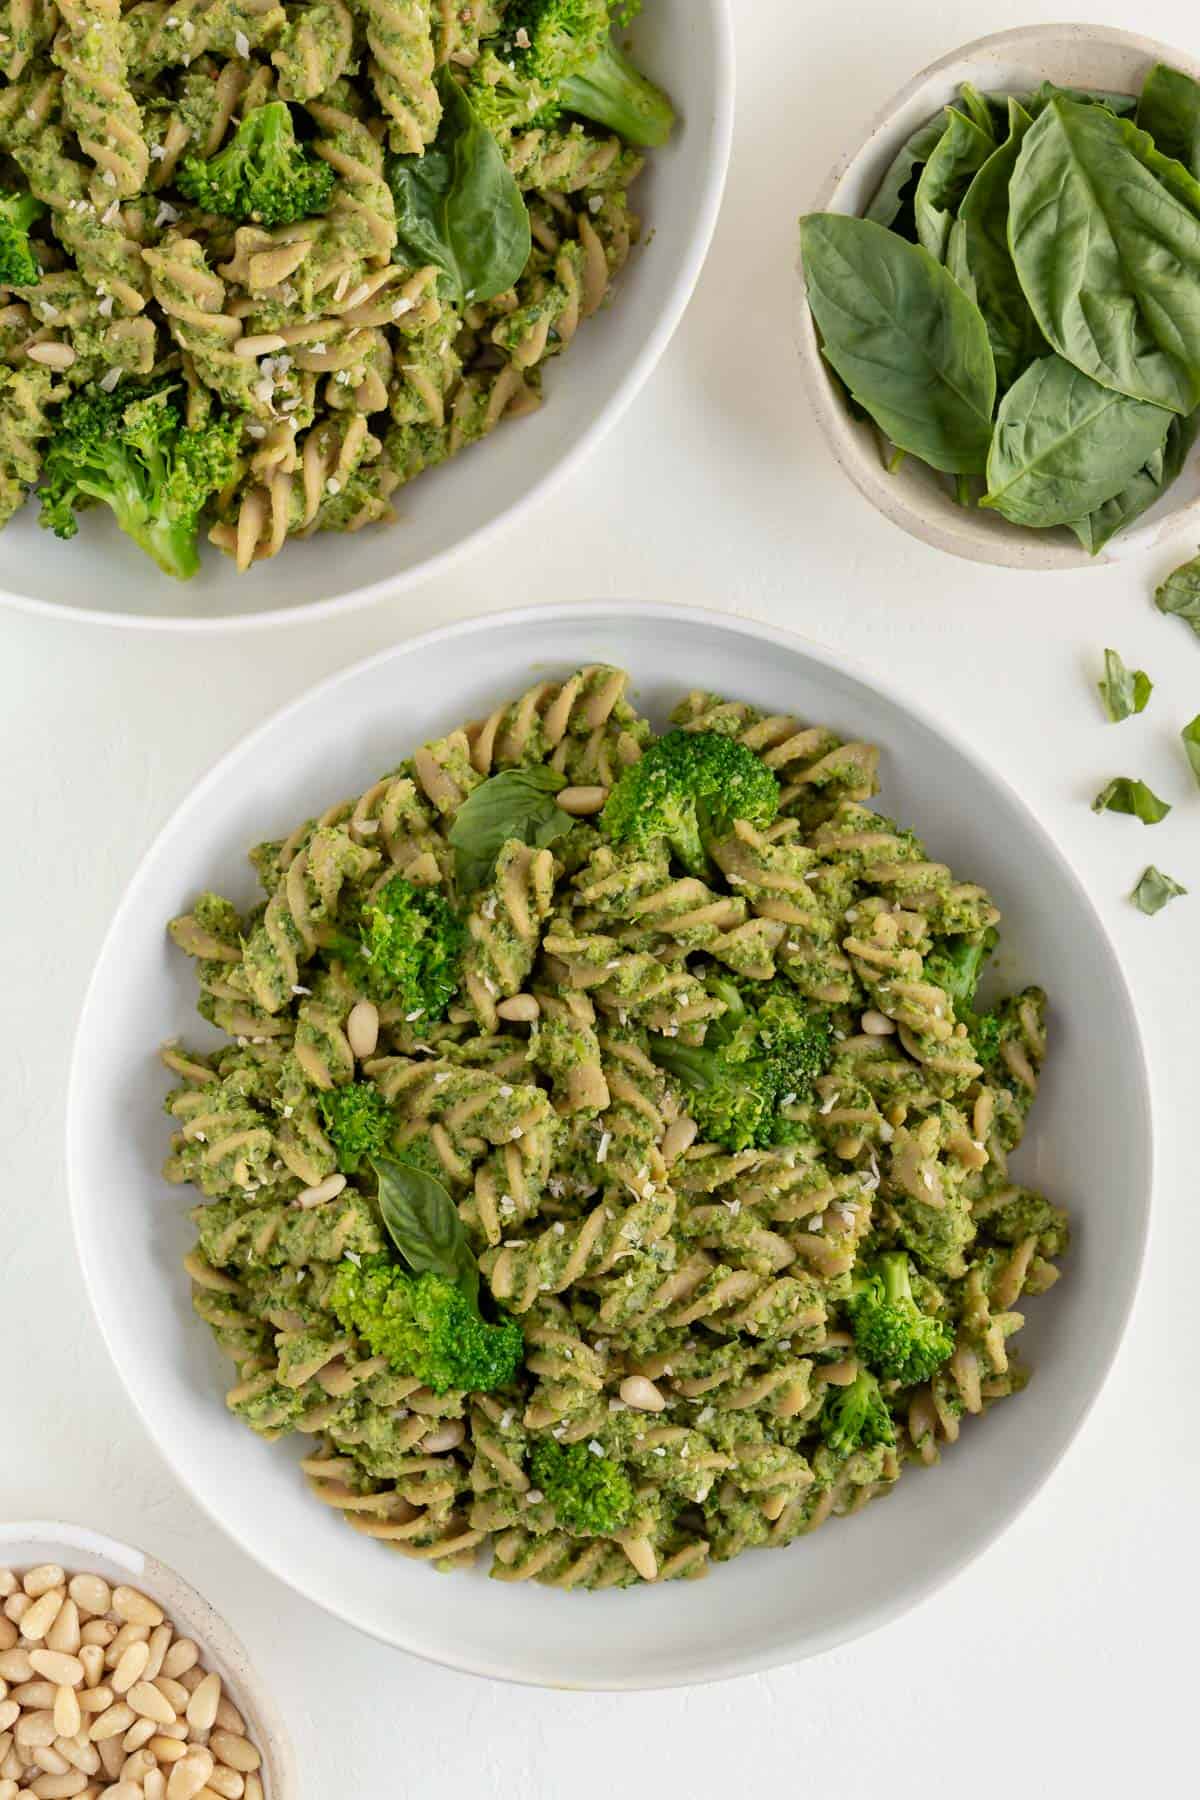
686	1279
97	100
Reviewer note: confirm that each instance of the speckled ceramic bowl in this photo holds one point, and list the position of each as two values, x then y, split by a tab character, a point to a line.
1089	56
25	1544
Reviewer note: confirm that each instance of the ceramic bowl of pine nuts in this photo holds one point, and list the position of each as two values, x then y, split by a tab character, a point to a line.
118	1680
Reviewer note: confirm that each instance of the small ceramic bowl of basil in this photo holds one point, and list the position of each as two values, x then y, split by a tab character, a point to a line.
998	310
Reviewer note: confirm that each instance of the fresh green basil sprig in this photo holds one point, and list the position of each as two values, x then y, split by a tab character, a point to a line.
517	803
423	1223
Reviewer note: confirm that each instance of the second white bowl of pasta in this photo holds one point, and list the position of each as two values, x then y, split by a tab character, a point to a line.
312	258
603	1199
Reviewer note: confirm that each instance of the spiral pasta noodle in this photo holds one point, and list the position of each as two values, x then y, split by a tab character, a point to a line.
688	1308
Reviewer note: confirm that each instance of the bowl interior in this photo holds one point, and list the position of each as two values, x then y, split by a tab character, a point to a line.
79	1551
1089	1145
685	44
916	497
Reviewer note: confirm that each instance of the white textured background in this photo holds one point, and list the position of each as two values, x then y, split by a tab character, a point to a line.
1062	1662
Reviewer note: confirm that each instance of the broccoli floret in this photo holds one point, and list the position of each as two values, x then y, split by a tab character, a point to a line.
410	941
425	1326
132	450
956	964
1029	1214
590	1494
688	787
900	1342
856	1417
263	173
751	1065
557	56
19	267
358	1121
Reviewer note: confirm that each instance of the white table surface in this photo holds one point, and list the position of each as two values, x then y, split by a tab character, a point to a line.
1064	1659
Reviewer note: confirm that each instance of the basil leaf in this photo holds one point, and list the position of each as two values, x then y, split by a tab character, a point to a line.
1127	796
422	1221
978	257
905	339
893	203
961	150
1109	261
1169	110
1154	890
519	803
1063	445
1191	745
458	207
1039	100
1180	594
1124	691
975	105
1147	487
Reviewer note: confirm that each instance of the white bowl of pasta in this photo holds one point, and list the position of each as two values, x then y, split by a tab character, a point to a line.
321	362
725	1250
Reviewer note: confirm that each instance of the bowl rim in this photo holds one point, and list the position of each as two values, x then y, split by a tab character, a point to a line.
1019	547
639	368
216	1635
906	1595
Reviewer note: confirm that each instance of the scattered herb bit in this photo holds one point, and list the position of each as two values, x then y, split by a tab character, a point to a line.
1191	745
422	1221
1125	795
1155	890
1124	691
1180	594
519	803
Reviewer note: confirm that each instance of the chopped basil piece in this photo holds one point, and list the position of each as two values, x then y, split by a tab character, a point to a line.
1124	691
1180	594
1125	795
1155	890
1191	744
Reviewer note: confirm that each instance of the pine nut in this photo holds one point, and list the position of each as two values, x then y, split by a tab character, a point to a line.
191	1679
36	1622
264	343
10	1712
91	1593
362	1029
39	1581
638	1392
79	1753
446	1437
92	1658
125	1790
202	1707
147	1701
67	1716
16	1606
126	1635
34	1728
227	1782
189	1776
182	1656
640	1552
51	1760
155	1785
99	1631
111	1757
174	1692
37	1696
135	1608
229	1718
166	1750
51	356
131	1668
139	1733
160	1642
96	1700
8	1633
138	1766
876	1024
9	1790
64	1633
15	1665
58	1667
679	1136
117	1719
580	801
254	1788
234	1751
59	1787
324	1190
522	1009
